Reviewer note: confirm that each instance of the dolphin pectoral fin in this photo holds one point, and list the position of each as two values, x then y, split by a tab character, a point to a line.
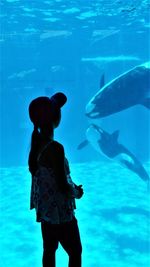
146	103
83	144
102	81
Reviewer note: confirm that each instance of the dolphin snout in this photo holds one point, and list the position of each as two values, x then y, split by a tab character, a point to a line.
89	108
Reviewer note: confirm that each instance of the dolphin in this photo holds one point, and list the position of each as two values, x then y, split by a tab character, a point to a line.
127	90
108	145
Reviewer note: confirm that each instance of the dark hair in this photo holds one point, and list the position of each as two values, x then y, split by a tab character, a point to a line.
41	135
35	144
45	116
44	109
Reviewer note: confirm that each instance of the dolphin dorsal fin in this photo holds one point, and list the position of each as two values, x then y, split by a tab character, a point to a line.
115	135
102	81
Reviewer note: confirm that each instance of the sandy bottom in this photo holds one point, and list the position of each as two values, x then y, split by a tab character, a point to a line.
113	218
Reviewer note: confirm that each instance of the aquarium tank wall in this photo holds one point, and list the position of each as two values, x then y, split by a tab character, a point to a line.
98	54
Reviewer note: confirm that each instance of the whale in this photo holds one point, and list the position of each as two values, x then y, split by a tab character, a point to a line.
107	144
125	91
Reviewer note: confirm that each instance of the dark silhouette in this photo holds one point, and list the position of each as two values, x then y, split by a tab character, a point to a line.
53	192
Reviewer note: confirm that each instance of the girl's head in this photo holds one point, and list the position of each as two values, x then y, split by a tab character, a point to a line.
45	114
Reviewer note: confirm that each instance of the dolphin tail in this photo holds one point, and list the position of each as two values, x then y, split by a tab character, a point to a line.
146	103
83	144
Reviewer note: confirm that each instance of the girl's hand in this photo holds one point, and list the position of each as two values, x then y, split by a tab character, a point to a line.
80	191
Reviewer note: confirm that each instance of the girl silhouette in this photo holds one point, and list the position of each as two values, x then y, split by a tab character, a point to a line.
53	192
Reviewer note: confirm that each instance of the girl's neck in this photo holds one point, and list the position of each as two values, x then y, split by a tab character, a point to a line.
47	135
47	139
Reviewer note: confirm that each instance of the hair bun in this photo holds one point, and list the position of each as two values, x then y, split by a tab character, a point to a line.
59	99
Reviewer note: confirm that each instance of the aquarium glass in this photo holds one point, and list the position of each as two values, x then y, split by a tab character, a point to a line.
97	52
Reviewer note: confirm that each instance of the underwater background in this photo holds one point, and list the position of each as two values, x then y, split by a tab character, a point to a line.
67	45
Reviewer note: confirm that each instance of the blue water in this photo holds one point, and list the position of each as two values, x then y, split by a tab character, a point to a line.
58	45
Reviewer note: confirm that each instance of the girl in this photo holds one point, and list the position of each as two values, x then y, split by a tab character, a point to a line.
52	192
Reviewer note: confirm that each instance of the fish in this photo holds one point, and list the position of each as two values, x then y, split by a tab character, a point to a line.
125	91
107	144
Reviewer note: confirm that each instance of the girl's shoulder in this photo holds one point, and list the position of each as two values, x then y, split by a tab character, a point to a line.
53	149
56	145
